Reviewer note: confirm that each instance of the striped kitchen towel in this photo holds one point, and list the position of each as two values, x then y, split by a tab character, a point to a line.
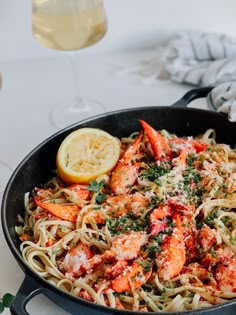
205	59
201	59
190	57
223	99
194	58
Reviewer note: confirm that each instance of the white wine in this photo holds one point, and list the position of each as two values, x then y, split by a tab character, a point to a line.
68	24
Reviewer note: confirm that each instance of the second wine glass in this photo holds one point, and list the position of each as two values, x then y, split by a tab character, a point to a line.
70	25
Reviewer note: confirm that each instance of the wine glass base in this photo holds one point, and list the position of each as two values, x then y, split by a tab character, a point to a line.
62	116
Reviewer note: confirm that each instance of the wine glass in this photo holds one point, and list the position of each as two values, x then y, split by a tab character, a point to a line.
70	25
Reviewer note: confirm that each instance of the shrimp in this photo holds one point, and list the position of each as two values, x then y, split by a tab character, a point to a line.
226	275
125	173
127	246
186	210
200	273
172	257
156	226
117	206
170	261
206	237
80	191
183	148
114	271
181	206
217	256
44	194
190	145
181	160
133	276
79	259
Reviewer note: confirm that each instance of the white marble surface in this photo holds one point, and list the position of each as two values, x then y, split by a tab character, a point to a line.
30	90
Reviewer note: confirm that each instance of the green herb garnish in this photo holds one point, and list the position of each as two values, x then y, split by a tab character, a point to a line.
126	223
6	301
100	198
155	171
146	266
96	186
213	253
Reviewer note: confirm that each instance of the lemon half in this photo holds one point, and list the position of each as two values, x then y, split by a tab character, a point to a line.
85	154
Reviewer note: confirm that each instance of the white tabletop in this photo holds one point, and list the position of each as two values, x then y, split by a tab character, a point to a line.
30	90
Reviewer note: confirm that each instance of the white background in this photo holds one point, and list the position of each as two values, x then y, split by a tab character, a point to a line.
130	22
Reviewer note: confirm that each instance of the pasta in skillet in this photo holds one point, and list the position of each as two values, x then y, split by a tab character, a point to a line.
156	234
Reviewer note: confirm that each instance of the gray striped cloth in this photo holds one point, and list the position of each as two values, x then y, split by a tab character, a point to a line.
195	58
201	59
205	59
223	99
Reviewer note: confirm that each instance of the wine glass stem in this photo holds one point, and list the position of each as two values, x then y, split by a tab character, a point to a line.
75	77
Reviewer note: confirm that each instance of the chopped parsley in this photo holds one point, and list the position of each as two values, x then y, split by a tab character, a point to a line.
153	250
155	171
213	253
100	198
155	201
146	265
154	245
190	185
190	160
209	220
126	223
96	186
55	252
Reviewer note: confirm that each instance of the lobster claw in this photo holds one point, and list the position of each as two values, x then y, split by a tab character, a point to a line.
160	145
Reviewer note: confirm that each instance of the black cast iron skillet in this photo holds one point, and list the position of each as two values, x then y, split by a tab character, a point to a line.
37	166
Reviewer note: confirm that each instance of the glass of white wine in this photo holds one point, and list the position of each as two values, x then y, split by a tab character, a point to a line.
70	25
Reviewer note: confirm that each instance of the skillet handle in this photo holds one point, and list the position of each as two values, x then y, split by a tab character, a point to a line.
28	289
192	95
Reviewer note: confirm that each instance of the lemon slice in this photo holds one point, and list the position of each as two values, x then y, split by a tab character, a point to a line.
85	154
